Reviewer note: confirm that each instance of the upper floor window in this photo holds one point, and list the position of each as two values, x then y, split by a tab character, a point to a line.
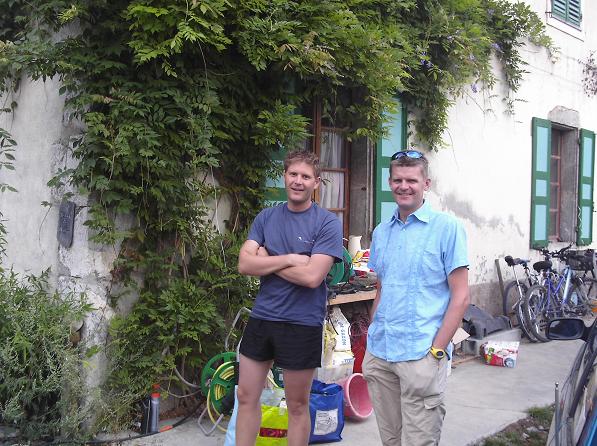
567	11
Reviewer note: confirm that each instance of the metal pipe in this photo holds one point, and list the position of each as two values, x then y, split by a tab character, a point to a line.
557	415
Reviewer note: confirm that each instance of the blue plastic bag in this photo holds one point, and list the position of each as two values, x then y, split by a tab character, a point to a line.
230	439
326	406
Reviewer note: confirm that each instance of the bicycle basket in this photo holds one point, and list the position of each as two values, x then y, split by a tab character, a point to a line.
581	260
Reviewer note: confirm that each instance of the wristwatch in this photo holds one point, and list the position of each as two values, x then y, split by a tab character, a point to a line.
439	353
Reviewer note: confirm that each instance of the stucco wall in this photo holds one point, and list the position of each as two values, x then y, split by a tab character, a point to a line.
484	174
36	125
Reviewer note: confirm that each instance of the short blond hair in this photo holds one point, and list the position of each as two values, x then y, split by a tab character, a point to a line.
405	161
303	156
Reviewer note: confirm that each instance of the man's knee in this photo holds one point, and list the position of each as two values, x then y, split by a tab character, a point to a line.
245	396
298	407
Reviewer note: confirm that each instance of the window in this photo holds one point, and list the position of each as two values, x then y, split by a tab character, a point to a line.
562	184
332	148
567	11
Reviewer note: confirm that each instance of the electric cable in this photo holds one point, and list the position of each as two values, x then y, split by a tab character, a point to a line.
133	437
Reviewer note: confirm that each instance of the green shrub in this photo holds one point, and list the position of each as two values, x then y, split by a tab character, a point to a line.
41	382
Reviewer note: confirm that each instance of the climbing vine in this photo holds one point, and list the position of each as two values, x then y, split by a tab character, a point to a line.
184	103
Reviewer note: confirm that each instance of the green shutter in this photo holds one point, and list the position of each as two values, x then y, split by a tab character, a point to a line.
558	8
586	174
540	186
567	10
275	192
386	147
574	14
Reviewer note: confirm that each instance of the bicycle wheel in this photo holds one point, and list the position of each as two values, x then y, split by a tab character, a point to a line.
534	307
511	297
522	322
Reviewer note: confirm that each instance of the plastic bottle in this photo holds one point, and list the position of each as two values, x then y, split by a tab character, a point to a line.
154	410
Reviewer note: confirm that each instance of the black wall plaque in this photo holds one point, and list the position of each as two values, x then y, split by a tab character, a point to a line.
66	223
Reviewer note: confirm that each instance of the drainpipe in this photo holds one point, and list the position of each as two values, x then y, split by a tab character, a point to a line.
557	415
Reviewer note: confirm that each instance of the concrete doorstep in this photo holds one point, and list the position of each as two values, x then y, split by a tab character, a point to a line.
481	400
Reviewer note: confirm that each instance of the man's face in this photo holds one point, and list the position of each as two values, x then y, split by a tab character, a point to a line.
408	185
300	182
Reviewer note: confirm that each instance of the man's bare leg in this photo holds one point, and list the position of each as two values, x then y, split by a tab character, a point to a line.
252	375
297	385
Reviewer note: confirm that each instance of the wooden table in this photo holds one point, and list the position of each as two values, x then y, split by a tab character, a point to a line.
354	297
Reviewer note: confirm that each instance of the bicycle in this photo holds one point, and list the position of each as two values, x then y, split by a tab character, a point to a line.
560	295
515	291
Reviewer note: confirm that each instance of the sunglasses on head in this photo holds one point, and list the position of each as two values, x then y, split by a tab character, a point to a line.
408	153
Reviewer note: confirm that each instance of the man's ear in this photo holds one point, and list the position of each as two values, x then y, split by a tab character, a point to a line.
427	184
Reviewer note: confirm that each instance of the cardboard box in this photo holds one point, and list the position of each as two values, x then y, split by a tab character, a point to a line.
459	336
501	353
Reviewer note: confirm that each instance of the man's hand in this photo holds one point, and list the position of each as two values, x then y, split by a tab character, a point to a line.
293	259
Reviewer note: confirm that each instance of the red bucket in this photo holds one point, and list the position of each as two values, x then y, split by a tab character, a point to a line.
357	403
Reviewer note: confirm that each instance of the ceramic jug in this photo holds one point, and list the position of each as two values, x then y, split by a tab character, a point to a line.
354	244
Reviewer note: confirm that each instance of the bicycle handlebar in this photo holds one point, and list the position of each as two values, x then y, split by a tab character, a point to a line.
559	254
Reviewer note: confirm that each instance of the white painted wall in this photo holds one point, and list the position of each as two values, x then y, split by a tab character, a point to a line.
484	174
36	124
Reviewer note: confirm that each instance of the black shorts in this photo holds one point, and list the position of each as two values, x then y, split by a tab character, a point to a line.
291	346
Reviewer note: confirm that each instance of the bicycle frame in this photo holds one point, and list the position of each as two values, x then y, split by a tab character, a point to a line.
552	290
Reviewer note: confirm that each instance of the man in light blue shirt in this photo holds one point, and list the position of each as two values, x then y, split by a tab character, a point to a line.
420	258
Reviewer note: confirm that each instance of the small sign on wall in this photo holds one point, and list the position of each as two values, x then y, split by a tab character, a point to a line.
66	223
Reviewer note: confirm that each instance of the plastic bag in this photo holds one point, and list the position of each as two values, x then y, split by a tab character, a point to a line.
326	406
274	426
274	421
230	439
342	327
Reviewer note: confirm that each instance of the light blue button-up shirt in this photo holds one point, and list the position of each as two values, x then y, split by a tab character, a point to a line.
412	261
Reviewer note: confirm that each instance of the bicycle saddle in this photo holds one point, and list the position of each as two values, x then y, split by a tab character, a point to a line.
541	265
511	262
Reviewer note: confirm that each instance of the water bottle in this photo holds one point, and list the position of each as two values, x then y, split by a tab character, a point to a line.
154	410
151	412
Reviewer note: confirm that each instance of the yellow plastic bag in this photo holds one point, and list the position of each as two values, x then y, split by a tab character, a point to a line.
274	426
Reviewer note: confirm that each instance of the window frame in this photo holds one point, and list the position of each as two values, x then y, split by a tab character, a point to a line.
317	128
557	183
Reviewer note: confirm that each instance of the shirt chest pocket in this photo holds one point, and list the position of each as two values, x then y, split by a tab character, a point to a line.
304	243
432	267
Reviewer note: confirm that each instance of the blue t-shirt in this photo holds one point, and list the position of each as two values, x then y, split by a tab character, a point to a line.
282	231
